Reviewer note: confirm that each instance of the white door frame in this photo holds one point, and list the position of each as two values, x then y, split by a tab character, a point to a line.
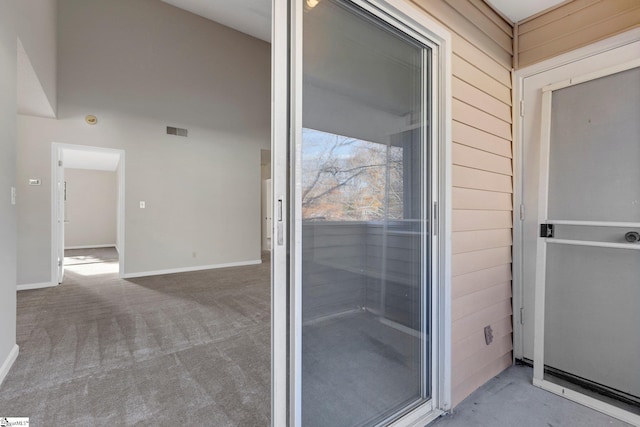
57	237
58	214
527	85
286	243
539	318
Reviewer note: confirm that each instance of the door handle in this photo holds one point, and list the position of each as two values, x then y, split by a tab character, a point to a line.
632	237
280	227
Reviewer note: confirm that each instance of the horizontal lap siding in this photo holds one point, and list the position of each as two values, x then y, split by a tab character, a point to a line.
482	189
482	180
573	25
476	240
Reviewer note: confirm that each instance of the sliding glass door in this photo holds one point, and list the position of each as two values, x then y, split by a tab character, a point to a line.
365	234
357	216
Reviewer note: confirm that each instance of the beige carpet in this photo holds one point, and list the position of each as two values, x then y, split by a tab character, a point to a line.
190	348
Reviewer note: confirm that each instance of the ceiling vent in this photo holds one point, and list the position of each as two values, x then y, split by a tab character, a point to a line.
177	131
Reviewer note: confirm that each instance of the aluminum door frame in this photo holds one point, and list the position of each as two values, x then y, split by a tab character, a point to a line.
286	225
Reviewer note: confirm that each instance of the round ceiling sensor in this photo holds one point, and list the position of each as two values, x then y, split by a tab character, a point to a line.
91	119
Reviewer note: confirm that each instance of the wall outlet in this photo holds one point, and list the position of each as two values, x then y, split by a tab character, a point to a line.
142	205
488	334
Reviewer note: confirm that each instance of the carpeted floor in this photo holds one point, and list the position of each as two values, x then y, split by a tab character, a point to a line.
190	348
194	349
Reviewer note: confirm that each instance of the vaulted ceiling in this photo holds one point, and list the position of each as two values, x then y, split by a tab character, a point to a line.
251	17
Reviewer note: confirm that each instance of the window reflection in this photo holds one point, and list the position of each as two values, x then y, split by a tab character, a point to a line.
348	179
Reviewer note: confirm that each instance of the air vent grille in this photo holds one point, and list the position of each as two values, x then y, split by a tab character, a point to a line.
177	131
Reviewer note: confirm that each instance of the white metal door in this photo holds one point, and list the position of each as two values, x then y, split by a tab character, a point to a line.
586	343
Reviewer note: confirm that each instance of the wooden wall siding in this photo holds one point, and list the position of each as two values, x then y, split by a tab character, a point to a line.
572	25
482	188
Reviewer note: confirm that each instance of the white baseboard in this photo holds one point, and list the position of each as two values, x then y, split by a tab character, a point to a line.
112	245
30	286
8	362
188	269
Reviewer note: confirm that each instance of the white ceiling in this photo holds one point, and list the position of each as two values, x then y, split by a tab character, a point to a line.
94	160
251	17
517	10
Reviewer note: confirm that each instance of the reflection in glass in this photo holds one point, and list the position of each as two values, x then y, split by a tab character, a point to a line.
347	179
365	238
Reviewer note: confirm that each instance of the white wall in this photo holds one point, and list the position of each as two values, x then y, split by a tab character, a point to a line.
90	208
140	66
38	33
8	66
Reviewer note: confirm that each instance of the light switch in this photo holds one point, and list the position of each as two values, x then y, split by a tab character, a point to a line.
142	205
13	195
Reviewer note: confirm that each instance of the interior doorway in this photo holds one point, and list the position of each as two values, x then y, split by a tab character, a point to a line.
266	199
87	210
90	216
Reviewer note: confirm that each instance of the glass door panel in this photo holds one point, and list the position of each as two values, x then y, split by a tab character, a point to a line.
365	228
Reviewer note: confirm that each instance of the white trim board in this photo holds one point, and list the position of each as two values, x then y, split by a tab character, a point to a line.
112	245
190	269
31	286
8	362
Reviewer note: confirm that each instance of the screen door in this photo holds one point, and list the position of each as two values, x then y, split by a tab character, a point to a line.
587	345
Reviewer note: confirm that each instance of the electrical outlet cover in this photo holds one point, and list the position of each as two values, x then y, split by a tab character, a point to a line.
488	334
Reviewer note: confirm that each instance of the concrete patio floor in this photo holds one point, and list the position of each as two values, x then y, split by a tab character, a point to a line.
511	400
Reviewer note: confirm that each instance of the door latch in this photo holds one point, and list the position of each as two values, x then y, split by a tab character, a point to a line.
546	230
